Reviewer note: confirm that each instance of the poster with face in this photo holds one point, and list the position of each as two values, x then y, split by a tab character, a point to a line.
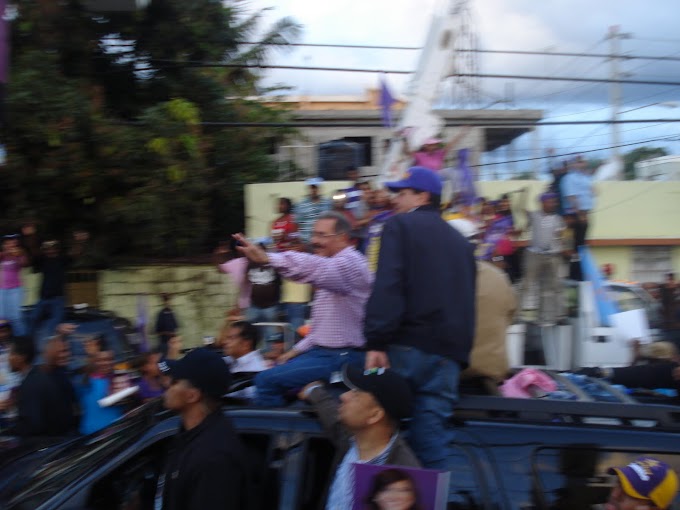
399	488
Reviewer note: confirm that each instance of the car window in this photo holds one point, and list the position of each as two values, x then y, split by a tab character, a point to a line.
625	298
577	477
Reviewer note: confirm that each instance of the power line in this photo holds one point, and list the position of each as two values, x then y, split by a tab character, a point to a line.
565	54
376	71
668	138
473	121
469	50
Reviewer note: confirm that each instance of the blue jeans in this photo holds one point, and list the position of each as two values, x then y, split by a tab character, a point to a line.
10	308
317	364
55	310
295	314
255	314
434	380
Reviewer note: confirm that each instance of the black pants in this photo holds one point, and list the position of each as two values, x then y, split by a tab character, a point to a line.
579	226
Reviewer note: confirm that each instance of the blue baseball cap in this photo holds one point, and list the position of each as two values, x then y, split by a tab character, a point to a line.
418	178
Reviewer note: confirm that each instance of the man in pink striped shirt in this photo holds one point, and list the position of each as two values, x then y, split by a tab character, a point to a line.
342	281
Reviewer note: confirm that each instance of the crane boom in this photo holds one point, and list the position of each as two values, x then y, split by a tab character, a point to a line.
418	121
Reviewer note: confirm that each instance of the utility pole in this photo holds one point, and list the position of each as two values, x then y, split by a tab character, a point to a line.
615	36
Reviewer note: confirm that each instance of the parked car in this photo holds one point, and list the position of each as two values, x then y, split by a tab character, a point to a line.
511	454
117	332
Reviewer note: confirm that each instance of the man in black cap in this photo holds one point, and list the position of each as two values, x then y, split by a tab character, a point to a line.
364	427
206	468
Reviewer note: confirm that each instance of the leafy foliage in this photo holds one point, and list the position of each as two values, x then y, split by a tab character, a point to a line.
109	122
637	155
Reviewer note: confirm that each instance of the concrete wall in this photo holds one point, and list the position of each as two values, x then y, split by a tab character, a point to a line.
200	296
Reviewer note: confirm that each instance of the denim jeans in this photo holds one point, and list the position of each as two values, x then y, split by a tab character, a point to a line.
434	380
295	314
55	310
10	308
255	314
317	364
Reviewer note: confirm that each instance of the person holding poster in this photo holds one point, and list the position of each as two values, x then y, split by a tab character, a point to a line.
364	428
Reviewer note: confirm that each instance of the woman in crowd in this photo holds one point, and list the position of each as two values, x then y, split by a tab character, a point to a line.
150	386
12	260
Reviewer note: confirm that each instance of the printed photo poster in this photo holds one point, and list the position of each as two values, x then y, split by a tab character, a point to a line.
399	488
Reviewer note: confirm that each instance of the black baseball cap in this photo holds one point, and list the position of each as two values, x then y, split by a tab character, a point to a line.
203	368
390	389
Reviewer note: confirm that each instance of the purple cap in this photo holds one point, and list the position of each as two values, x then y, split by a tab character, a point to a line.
650	479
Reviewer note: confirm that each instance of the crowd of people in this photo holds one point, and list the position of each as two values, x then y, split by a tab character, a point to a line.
406	297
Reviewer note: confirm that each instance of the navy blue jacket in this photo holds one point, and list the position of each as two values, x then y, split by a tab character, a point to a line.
424	290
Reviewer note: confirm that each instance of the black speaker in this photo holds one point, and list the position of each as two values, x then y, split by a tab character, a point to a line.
335	157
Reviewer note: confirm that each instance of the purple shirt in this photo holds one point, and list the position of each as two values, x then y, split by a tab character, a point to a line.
10	271
343	284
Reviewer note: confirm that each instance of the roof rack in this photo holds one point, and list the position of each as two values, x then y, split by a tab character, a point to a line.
630	415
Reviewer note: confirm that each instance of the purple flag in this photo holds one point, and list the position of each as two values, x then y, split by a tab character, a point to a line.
468	192
386	102
142	320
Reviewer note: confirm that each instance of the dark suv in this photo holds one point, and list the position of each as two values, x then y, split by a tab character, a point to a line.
511	454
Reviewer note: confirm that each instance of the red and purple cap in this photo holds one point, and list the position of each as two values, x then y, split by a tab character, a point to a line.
650	479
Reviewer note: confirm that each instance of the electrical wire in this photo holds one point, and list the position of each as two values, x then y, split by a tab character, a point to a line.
566	154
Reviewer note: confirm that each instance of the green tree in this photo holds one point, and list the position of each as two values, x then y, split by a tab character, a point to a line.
637	155
110	121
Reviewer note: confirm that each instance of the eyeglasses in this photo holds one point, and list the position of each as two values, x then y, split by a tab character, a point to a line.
324	236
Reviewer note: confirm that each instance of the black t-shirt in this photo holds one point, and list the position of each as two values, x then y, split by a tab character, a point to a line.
54	274
265	286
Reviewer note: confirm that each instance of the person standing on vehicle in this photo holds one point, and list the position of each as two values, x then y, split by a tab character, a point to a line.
342	281
420	318
53	264
542	283
645	484
579	199
364	427
206	467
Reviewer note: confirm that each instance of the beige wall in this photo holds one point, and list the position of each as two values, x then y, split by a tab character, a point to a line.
200	296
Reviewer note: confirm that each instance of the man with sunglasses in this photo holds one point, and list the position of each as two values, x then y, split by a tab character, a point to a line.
342	281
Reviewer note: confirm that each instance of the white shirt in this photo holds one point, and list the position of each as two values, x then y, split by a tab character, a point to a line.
251	362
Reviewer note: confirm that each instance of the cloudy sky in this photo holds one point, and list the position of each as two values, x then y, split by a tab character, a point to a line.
533	25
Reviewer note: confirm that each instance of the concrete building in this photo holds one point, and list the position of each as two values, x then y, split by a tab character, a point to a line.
665	168
358	120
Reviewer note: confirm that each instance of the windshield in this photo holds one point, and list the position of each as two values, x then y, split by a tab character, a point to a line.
61	466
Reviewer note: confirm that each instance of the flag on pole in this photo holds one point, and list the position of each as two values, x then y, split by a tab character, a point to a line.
386	102
142	321
606	306
468	192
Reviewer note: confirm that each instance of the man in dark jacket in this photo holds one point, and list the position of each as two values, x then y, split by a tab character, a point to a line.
420	318
42	408
206	468
364	427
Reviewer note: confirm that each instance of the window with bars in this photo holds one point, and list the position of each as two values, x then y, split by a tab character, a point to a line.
651	263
